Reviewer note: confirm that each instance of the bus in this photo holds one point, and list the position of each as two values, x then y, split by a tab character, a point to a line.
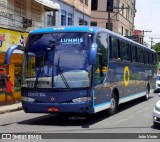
91	69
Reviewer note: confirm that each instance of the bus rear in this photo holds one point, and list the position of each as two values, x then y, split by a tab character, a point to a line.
56	73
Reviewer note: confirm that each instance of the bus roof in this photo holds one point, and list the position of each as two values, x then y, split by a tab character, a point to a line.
91	29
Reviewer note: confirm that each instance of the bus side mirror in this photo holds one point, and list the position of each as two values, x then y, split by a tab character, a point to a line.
93	52
10	51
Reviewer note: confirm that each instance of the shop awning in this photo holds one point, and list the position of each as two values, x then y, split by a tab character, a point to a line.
48	3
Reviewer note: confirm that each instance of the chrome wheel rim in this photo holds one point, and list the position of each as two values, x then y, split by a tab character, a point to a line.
113	104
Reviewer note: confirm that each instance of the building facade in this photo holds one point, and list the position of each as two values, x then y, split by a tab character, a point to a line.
19	17
74	12
115	15
138	36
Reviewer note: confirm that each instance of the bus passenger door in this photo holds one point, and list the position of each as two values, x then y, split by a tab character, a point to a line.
99	81
100	91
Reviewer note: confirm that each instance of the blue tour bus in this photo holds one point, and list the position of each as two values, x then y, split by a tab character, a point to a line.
91	69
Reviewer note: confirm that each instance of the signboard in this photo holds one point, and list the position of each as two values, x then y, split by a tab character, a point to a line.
9	38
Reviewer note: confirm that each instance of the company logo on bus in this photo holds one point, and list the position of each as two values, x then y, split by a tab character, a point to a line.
36	94
52	99
71	40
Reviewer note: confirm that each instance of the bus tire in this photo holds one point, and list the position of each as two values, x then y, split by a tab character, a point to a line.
114	104
156	125
146	97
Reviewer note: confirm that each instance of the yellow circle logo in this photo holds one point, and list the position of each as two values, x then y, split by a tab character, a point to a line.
126	76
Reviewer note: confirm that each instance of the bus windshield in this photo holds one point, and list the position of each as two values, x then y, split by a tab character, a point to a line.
57	60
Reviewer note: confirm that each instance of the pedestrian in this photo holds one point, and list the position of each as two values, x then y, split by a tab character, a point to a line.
8	89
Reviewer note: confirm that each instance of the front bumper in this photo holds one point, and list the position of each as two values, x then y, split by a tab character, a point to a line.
156	116
57	108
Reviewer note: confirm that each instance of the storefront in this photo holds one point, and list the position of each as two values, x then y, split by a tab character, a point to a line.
7	39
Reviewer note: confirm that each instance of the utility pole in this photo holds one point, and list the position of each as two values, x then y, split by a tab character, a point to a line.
143	35
83	14
109	23
152	40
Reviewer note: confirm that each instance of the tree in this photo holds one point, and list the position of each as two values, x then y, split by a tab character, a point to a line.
156	47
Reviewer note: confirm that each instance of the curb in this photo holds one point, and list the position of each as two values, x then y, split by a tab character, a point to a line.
11	110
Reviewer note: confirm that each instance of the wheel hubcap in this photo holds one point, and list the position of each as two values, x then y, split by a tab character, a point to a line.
113	104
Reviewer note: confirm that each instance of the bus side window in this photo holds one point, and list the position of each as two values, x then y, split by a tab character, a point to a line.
124	49
133	51
102	58
114	48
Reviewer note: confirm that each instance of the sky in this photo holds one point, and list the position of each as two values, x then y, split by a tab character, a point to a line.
147	18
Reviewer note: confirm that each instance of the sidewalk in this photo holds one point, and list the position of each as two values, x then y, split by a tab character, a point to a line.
10	107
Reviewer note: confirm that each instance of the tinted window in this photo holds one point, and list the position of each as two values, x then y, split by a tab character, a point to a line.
140	55
124	51
114	51
134	53
145	57
150	58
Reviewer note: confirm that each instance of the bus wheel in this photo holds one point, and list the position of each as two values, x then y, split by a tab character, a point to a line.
114	104
147	94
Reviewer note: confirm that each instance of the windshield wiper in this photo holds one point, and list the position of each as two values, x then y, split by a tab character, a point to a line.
37	77
61	74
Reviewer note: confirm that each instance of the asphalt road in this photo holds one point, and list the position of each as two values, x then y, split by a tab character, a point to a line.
132	117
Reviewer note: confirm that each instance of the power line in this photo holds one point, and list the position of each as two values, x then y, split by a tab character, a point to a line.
152	40
152	35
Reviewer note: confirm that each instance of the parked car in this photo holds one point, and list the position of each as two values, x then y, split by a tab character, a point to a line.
156	114
157	84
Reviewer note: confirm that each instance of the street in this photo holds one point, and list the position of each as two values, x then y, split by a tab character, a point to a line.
132	117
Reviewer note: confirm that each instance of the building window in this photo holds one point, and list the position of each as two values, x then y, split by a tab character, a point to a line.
94	4
70	18
109	5
122	30
82	22
122	9
86	2
86	23
109	26
126	32
50	18
93	23
63	18
127	12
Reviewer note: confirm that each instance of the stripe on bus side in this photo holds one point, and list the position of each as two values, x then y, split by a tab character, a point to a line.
131	97
106	105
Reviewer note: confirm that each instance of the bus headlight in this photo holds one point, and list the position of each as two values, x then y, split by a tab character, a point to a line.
27	99
83	99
